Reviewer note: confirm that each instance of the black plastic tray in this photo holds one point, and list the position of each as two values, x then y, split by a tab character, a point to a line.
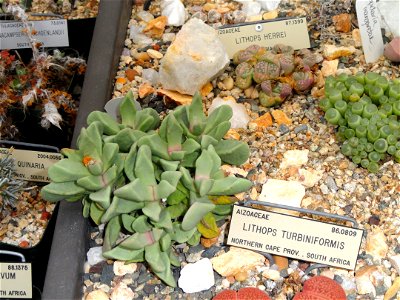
64	278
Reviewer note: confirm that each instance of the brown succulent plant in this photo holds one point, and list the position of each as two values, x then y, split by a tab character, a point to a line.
276	73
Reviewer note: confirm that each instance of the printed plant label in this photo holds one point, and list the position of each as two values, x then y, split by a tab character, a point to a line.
295	237
16	280
32	165
370	29
291	32
51	33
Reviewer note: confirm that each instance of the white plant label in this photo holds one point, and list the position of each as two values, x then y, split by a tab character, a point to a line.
370	29
291	32
295	237
32	165
51	33
16	280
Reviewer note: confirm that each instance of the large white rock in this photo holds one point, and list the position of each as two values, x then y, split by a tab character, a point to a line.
239	119
197	277
193	59
283	192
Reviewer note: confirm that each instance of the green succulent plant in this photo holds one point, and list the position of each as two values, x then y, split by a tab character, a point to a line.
366	107
10	187
152	184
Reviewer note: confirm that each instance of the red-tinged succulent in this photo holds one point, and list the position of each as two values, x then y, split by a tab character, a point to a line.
252	293
325	286
302	81
293	69
281	48
264	70
307	58
247	293
286	63
244	73
226	295
274	93
311	296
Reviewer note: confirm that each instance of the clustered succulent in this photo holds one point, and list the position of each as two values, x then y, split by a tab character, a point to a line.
160	184
277	72
10	187
366	108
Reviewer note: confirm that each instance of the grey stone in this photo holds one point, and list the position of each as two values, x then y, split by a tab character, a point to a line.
338	279
143	277
210	252
149	289
107	274
284	129
194	58
331	183
300	128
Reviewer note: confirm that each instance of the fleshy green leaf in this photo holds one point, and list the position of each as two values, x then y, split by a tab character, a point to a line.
208	227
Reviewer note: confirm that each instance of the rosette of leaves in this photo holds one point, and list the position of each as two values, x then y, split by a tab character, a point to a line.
276	72
153	185
10	187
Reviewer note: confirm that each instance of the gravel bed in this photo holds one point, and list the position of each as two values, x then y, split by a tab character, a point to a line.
341	187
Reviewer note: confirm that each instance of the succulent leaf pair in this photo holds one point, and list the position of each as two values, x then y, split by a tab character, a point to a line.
152	188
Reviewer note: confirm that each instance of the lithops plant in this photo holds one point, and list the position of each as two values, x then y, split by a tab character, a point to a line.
275	73
152	184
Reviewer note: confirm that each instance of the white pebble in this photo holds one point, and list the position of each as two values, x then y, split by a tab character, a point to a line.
197	277
94	255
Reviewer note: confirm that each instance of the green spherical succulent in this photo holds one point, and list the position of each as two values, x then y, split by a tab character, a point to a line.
369	104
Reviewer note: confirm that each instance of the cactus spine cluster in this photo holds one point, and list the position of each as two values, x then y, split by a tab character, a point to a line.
152	181
277	72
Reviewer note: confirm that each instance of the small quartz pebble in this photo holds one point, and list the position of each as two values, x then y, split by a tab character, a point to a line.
122	292
310	177
342	22
281	261
239	119
154	54
283	192
251	8
294	158
97	295
365	286
236	260
270	15
395	261
174	10
269	5
196	277
280	117
376	243
332	52
94	255
263	121
120	268
271	274
329	67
